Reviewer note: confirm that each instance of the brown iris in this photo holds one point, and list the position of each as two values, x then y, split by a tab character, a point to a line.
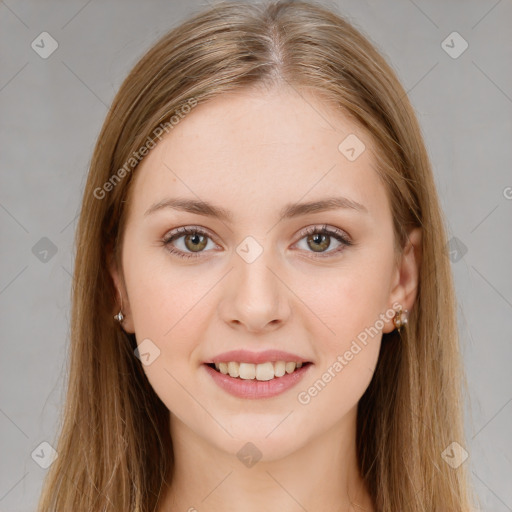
320	241
197	242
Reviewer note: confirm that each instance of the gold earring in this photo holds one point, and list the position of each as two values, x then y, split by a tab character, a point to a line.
400	318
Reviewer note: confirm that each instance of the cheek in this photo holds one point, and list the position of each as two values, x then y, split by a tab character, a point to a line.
167	310
348	302
163	296
171	306
352	306
346	359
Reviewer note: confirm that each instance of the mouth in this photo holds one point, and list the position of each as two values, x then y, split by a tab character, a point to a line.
257	381
270	370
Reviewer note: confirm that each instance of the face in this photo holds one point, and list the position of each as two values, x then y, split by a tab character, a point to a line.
262	276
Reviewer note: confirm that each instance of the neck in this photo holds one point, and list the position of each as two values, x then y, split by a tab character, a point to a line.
321	475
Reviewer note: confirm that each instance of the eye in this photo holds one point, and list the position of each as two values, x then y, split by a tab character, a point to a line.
320	238
195	239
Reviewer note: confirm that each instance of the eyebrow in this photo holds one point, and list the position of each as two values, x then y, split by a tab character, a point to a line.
289	211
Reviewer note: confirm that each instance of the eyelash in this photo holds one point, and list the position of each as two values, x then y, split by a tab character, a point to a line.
196	230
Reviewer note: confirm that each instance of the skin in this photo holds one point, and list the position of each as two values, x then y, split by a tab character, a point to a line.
252	152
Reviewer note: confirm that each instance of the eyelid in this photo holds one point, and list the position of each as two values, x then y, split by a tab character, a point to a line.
330	230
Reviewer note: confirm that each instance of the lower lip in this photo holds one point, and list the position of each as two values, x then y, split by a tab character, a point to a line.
245	388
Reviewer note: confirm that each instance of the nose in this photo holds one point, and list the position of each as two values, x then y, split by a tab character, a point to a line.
255	297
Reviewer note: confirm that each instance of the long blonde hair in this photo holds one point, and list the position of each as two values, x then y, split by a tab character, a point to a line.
115	450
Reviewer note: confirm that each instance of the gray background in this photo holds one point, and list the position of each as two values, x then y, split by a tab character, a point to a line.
51	113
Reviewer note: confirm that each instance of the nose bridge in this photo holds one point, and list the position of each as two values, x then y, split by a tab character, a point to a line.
257	296
252	268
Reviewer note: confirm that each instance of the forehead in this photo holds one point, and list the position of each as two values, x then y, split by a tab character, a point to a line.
264	148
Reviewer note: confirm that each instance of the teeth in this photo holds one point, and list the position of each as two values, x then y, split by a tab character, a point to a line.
234	369
279	368
247	371
262	371
290	367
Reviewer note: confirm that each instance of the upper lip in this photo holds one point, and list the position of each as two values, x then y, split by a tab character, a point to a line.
245	356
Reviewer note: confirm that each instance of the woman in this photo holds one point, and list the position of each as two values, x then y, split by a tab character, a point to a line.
263	312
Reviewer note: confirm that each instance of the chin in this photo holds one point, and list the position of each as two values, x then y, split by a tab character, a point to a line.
266	441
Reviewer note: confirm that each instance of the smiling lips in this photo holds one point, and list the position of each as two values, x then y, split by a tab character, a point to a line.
264	365
246	374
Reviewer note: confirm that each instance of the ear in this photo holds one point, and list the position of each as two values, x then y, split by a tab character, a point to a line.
405	285
121	295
